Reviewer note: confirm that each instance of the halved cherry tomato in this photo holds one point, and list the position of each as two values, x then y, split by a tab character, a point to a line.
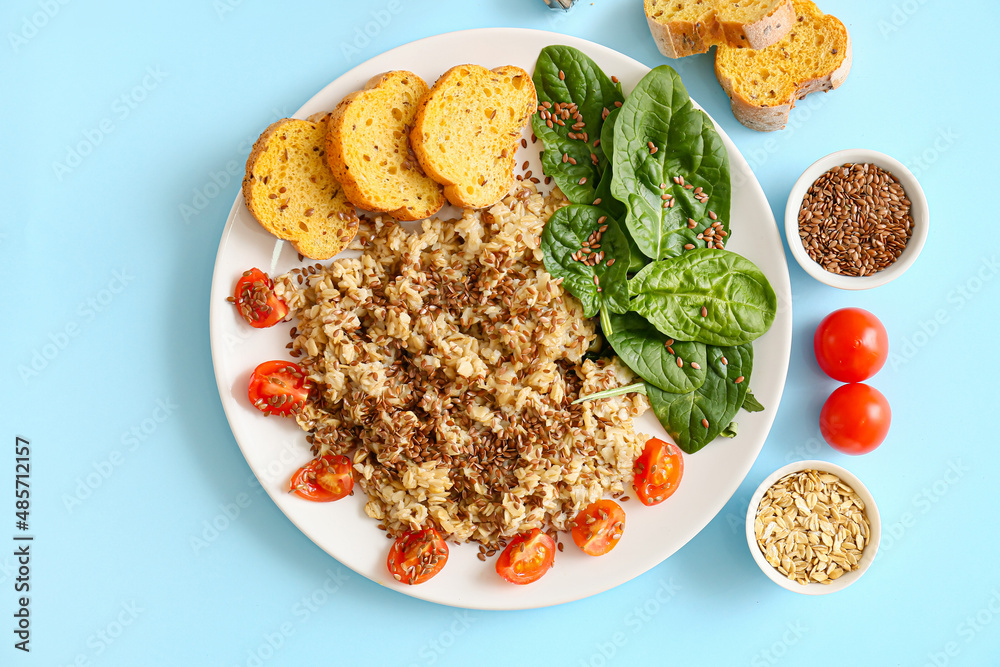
527	557
323	479
256	300
279	388
855	419
851	345
598	527
417	555
658	471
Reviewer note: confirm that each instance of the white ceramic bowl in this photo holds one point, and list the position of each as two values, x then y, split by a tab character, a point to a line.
868	554
918	209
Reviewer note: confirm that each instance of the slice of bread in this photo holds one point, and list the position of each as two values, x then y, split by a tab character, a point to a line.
763	85
685	27
467	130
368	149
292	193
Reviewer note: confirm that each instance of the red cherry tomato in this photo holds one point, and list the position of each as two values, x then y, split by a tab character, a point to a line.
851	345
855	419
527	557
658	472
324	479
279	388
417	556
598	527
256	300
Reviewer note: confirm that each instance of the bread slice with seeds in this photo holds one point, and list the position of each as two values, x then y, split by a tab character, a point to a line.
685	27
763	85
467	129
368	149
291	191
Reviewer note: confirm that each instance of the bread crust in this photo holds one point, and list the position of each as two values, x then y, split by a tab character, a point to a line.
363	195
775	116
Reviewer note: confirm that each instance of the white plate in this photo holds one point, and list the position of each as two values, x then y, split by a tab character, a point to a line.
275	448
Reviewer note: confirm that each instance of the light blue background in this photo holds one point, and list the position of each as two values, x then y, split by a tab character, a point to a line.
107	273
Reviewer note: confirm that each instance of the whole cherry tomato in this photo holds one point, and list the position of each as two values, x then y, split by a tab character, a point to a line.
851	345
855	419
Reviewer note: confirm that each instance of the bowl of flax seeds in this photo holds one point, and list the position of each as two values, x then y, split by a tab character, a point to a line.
856	219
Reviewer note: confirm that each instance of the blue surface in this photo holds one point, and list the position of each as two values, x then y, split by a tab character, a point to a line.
119	123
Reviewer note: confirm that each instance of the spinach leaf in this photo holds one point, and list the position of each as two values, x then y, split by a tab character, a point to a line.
563	236
586	86
636	259
607	199
731	431
751	404
710	296
658	137
716	401
644	350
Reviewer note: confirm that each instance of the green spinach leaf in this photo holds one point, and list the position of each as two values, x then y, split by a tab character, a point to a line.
565	76
696	418
669	167
607	199
751	404
564	235
604	198
644	350
711	296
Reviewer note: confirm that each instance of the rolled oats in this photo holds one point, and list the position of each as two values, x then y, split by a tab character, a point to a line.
812	527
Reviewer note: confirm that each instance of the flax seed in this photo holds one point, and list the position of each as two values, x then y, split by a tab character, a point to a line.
855	220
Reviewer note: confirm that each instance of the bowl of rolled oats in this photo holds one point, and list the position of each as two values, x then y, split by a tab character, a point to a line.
813	527
856	219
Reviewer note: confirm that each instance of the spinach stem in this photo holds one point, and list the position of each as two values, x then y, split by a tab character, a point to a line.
606	322
638	387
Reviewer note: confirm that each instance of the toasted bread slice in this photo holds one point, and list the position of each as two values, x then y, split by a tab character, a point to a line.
368	149
685	27
467	130
292	193
763	85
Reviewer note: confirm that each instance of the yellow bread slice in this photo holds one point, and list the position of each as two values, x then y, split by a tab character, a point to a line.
292	193
368	149
685	27
763	85
467	130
